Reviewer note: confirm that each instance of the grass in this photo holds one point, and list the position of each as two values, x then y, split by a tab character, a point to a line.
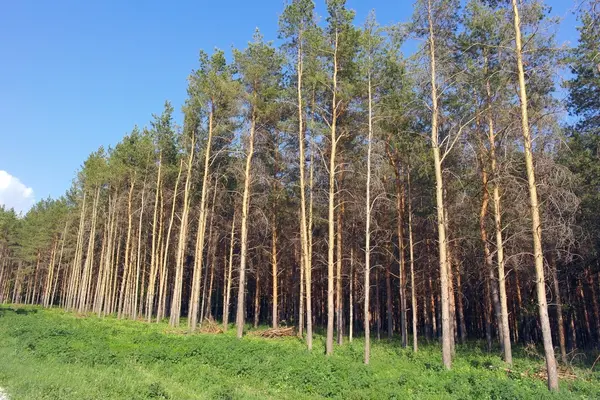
50	354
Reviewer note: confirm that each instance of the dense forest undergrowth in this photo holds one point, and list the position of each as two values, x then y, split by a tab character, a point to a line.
52	354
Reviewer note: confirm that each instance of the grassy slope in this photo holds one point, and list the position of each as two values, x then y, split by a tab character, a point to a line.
55	355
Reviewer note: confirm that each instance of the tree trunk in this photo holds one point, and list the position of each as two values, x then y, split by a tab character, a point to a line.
227	296
339	286
446	329
351	295
275	311
331	220
257	300
559	312
244	229
413	289
503	324
535	212
367	288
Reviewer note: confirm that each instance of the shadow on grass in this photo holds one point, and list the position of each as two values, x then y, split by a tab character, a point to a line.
16	309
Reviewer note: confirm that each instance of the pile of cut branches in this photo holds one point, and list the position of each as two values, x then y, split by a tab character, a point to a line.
209	325
275	332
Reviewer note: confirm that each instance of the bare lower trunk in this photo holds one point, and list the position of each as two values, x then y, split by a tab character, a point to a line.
275	311
559	312
227	296
339	287
257	301
351	295
413	289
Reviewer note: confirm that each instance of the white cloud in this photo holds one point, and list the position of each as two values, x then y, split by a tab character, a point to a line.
14	194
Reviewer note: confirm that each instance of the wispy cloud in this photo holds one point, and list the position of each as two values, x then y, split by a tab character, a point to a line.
14	194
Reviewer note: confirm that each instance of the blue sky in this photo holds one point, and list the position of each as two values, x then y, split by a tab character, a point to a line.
76	75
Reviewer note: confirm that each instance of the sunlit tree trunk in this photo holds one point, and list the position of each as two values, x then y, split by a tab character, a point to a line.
331	204
446	329
244	230
535	211
411	255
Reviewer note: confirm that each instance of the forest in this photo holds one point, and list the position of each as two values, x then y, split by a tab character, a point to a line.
333	182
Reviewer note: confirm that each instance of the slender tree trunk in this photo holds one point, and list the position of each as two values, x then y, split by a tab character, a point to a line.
301	299
339	286
351	294
244	231
304	227
227	297
367	281
331	207
388	299
413	288
460	308
257	300
446	329
559	312
535	211
213	262
503	322
401	258
275	311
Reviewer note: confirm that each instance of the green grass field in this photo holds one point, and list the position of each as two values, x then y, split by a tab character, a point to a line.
50	354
